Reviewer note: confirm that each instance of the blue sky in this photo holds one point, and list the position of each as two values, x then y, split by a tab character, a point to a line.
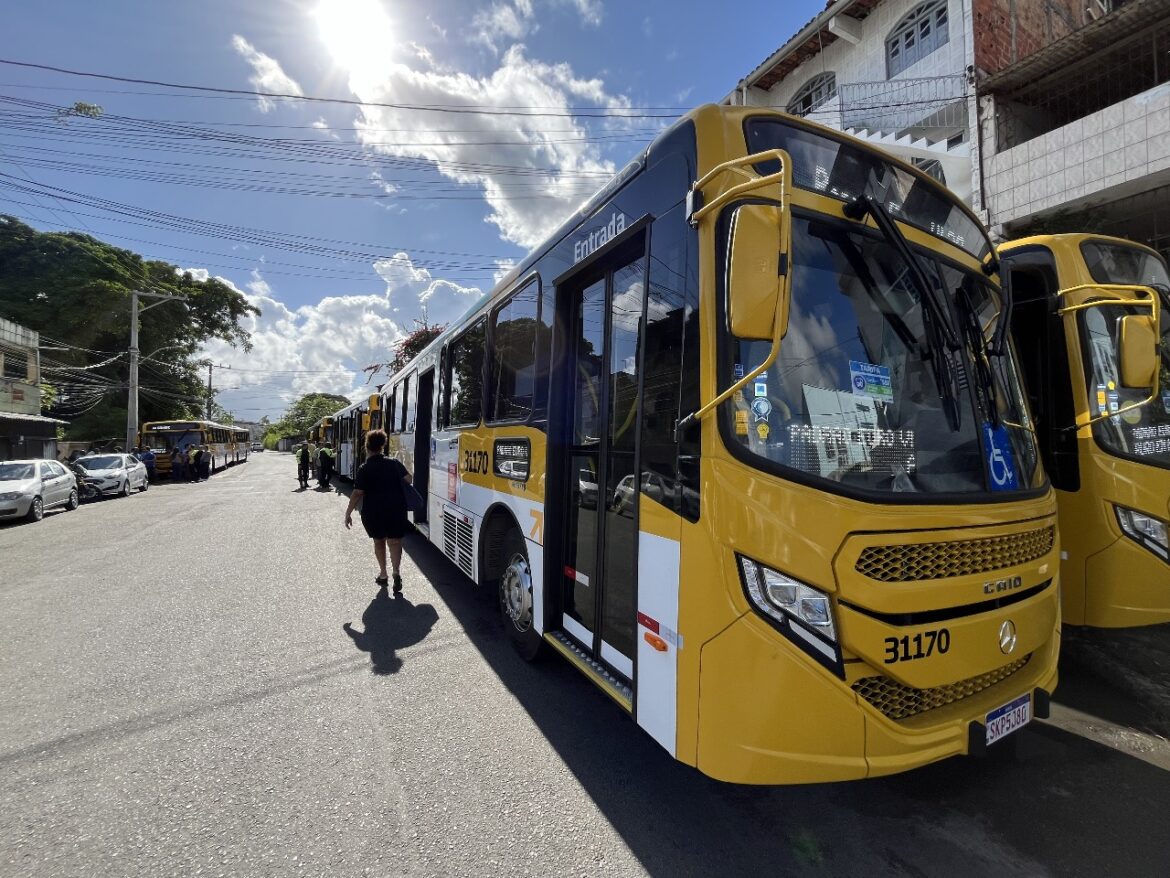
360	216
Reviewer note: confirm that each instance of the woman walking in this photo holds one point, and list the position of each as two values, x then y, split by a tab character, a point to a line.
378	487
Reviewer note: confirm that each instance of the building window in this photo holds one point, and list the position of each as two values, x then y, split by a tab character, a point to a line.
922	31
821	89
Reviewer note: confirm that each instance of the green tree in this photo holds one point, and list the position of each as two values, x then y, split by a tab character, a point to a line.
75	290
305	412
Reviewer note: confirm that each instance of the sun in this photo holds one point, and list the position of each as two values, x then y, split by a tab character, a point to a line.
358	34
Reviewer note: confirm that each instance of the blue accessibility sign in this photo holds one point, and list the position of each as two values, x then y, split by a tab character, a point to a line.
1001	462
871	380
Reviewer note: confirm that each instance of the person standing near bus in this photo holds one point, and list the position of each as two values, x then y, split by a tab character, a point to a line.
324	465
313	458
147	458
205	463
194	454
303	464
178	465
378	487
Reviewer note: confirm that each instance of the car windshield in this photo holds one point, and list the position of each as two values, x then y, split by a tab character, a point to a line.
15	472
109	461
853	399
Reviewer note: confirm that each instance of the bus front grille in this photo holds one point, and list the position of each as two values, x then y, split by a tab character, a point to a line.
897	701
917	561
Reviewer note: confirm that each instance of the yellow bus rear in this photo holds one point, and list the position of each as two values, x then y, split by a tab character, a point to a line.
751	453
1106	445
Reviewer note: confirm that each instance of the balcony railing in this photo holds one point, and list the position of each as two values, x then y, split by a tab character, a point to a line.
938	103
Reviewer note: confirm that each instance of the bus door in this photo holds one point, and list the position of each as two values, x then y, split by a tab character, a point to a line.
599	539
422	439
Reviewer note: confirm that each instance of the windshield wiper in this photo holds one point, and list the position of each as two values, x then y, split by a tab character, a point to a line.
941	340
986	390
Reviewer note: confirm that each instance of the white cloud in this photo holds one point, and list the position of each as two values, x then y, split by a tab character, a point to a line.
589	10
324	347
533	169
512	21
267	74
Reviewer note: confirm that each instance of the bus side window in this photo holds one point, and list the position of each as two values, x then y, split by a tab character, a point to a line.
403	402
1040	341
463	387
670	372
391	402
512	363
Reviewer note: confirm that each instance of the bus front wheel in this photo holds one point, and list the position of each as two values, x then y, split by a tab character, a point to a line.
515	596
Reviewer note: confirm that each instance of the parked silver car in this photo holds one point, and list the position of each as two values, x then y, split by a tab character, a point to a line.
115	473
29	487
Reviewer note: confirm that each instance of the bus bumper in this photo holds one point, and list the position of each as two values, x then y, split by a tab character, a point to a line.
783	719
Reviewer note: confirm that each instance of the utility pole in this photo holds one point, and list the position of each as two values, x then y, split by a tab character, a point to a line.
132	402
210	366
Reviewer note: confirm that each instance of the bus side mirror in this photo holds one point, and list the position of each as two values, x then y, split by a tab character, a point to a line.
1138	350
758	275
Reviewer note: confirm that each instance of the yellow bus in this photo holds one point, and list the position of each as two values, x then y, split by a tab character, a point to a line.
162	437
350	426
240	441
744	441
321	432
1104	437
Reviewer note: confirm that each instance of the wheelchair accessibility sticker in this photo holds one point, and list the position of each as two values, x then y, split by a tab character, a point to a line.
1001	465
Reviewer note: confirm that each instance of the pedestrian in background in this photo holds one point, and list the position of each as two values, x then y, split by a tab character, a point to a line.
178	465
147	458
325	465
205	463
313	458
303	464
378	487
194	454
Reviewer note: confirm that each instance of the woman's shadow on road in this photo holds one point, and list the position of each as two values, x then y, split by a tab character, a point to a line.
391	624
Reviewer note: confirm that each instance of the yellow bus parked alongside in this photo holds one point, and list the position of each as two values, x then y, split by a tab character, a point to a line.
1079	301
744	441
164	436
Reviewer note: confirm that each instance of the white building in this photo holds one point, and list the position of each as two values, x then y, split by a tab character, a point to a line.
24	431
1045	115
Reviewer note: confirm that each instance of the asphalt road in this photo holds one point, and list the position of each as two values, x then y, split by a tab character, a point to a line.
178	697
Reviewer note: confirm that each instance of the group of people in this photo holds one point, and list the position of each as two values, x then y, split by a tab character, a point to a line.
192	463
317	462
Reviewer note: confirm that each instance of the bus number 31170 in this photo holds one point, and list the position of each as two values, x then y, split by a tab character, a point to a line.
906	649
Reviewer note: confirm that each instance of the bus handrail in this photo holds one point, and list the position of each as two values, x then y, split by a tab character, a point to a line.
1152	302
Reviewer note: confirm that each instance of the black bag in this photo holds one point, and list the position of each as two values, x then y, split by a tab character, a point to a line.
414	500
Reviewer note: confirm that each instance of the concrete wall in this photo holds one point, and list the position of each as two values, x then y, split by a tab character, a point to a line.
1120	150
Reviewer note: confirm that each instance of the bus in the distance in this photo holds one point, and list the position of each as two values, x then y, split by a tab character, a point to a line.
350	426
1080	303
745	442
162	437
240	441
321	432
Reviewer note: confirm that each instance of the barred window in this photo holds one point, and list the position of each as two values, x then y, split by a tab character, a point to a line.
922	31
821	89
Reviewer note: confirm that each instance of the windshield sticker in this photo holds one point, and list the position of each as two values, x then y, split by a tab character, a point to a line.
1001	464
738	371
761	408
741	423
762	431
761	388
1114	401
1166	401
1102	407
871	380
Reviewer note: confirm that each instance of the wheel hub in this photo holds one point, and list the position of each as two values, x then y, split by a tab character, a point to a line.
516	592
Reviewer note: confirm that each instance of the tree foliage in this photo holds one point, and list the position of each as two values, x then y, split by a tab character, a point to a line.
411	346
305	412
75	290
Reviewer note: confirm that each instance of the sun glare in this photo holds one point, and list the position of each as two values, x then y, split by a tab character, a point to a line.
358	34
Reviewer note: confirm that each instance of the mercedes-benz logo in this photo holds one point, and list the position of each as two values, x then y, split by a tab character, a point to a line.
1007	637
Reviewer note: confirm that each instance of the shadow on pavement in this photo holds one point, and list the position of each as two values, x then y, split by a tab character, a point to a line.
1061	803
391	624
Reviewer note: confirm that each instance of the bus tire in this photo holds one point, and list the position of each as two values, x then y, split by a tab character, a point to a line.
515	599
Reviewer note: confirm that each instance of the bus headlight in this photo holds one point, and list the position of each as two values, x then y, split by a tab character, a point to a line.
785	599
1144	529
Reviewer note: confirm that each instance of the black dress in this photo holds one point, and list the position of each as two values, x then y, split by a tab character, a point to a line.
384	503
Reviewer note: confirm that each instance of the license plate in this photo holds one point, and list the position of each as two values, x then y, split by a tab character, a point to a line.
1012	716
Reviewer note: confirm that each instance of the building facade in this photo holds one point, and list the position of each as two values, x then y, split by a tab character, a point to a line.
1045	115
24	431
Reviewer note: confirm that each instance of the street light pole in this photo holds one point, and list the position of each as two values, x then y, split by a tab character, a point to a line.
132	402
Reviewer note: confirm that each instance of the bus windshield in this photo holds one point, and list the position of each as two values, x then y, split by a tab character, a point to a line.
853	398
1144	433
169	441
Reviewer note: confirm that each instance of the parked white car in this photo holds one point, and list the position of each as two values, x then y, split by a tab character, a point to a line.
115	473
29	487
